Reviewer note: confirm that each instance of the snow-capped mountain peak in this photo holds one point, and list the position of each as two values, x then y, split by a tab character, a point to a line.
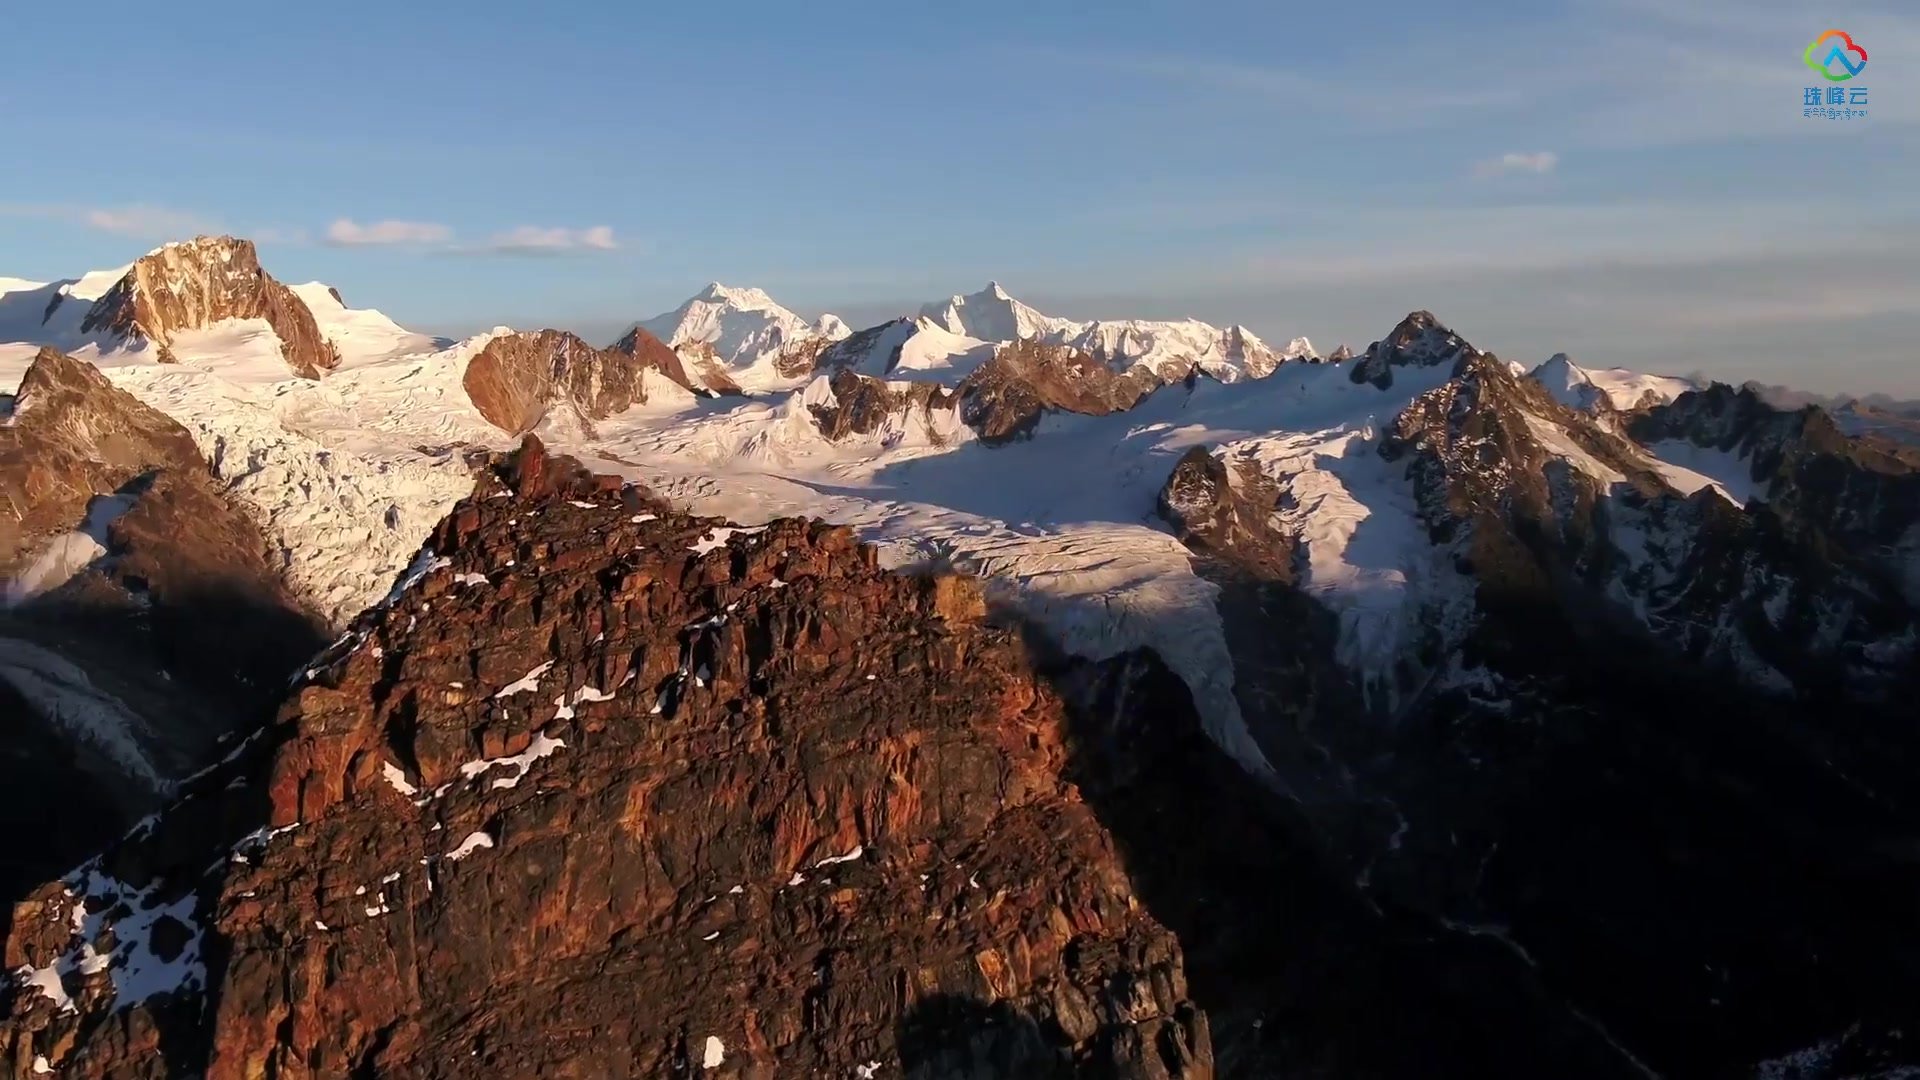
1420	340
1594	389
748	298
743	332
1168	349
1298	349
362	335
992	314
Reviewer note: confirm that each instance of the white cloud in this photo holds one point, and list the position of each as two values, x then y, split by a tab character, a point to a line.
541	240
1538	162
345	232
147	221
139	220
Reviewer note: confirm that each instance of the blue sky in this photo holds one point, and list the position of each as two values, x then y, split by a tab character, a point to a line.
1628	182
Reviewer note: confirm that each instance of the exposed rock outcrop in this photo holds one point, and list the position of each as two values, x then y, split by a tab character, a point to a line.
861	404
1225	511
73	435
1002	400
606	790
1419	341
521	378
1006	397
649	351
195	284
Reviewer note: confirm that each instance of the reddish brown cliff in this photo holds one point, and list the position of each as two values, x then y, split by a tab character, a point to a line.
520	378
708	377
192	285
613	791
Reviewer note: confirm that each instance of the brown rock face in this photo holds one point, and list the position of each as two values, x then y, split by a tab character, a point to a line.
191	285
1008	395
803	357
73	436
1225	511
650	352
610	791
519	378
862	404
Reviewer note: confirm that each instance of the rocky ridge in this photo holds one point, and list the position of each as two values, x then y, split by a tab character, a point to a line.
1602	611
816	808
1856	497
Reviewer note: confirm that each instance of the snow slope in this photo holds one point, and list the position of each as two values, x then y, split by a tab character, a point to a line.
1064	526
362	335
992	314
32	315
1689	468
346	475
918	349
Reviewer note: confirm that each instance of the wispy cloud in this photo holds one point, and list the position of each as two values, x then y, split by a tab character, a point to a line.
1539	162
545	240
1373	100
138	220
148	221
345	232
437	238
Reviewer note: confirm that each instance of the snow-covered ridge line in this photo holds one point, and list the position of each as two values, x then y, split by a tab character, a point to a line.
1164	347
1593	389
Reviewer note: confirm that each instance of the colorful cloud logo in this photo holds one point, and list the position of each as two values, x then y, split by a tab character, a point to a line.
1834	51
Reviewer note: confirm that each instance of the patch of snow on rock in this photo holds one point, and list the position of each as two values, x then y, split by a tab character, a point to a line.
474	842
541	746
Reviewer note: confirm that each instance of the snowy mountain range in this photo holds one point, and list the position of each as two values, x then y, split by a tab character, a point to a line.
1403	589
